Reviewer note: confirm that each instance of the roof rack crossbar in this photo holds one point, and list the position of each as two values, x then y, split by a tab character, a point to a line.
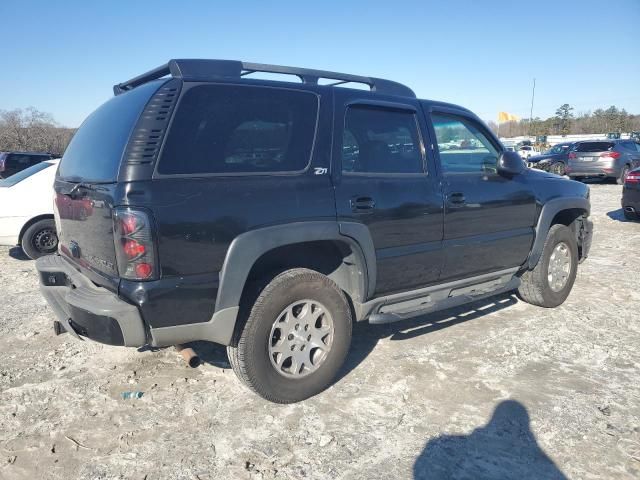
217	69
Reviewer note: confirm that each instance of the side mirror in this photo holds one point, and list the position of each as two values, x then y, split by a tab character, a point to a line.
510	163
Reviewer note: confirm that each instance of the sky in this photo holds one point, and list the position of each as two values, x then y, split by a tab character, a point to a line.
63	57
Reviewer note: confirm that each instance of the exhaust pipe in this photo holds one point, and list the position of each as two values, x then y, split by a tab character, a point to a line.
191	357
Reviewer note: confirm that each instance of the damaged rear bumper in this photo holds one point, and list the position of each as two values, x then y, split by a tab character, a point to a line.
86	310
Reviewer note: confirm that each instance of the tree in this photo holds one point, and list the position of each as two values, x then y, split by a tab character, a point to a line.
32	130
564	116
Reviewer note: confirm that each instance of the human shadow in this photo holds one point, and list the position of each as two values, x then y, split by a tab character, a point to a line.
366	336
618	215
18	254
505	448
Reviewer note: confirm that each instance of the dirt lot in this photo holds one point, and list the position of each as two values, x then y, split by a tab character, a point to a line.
499	390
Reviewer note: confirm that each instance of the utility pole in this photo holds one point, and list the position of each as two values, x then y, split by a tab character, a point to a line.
533	95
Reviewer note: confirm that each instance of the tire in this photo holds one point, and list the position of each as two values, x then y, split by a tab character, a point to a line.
255	355
630	215
40	239
535	287
623	174
558	168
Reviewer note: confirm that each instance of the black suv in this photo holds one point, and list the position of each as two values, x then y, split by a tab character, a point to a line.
202	204
14	162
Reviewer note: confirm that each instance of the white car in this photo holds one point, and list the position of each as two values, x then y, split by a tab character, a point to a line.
26	210
527	151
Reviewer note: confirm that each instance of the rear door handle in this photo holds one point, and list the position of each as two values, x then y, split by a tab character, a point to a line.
456	198
362	204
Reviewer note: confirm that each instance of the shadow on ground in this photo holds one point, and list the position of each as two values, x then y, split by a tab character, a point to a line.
366	336
505	448
18	254
618	215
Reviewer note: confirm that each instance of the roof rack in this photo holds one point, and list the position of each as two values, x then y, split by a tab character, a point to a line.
233	69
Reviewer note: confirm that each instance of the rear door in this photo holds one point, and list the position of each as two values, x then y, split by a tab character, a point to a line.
489	218
383	181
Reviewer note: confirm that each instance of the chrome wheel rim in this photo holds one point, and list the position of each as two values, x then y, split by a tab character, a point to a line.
301	338
559	267
45	241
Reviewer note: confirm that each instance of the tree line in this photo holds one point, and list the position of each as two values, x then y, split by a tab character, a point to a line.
31	130
566	122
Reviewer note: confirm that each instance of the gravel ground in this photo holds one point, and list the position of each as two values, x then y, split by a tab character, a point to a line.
500	389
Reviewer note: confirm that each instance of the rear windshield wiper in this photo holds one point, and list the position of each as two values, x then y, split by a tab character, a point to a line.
73	191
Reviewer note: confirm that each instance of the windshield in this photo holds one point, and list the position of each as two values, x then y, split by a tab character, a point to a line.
96	149
557	149
26	173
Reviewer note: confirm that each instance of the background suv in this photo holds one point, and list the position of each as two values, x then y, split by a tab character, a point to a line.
604	159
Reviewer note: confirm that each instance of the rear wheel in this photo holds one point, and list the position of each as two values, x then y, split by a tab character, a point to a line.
623	175
295	339
558	168
40	239
550	282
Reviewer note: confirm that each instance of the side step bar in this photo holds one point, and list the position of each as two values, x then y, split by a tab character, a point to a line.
394	309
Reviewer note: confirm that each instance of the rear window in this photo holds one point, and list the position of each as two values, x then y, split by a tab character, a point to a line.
24	174
96	149
594	146
227	129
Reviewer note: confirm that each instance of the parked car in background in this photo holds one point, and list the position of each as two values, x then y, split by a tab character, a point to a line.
14	162
603	159
553	160
631	195
26	210
277	213
527	151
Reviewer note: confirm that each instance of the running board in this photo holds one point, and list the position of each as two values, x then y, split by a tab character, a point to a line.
443	299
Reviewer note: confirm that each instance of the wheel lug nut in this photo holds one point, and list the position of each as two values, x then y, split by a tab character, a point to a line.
290	337
306	327
297	326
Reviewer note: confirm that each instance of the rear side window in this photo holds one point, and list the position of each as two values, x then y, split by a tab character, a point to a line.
96	149
379	140
594	147
227	129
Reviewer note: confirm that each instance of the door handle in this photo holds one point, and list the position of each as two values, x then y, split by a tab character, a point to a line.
457	198
362	204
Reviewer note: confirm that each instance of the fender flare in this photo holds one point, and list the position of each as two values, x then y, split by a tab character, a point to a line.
549	211
248	247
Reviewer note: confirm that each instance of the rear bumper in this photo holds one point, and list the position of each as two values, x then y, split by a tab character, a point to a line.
86	310
581	170
631	198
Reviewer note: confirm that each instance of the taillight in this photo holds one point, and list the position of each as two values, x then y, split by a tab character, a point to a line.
610	155
135	249
632	177
572	156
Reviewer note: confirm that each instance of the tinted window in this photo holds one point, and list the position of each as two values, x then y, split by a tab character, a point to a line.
463	146
23	174
594	146
240	129
629	146
377	140
96	149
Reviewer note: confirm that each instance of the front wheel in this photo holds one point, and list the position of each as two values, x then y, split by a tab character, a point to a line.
40	239
295	339
550	282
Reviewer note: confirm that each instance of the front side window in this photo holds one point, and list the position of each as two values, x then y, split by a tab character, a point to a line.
381	140
463	146
227	129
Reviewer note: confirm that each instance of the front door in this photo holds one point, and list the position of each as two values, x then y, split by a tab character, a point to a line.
384	182
489	218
